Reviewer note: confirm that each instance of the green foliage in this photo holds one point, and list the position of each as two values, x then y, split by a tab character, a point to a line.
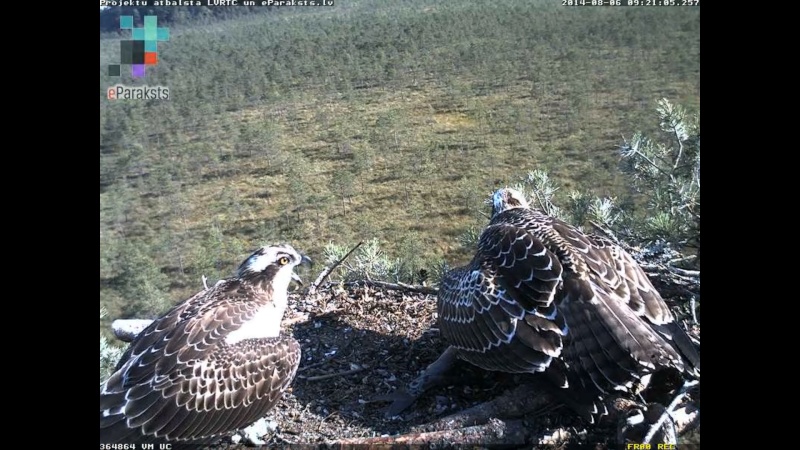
603	211
410	258
382	119
363	163
371	262
579	206
540	190
259	139
216	256
368	263
140	282
468	239
108	254
580	209
342	184
438	270
665	168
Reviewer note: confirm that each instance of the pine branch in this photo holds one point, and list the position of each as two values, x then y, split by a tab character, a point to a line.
328	270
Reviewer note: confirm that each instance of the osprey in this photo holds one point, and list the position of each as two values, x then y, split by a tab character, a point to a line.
541	296
212	364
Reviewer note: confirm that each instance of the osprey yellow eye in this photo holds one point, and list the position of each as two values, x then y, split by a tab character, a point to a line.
283	261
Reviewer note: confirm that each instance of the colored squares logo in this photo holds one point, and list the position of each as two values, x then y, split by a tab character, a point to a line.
142	49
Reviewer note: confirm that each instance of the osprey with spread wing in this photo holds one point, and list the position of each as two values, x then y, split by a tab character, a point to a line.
541	296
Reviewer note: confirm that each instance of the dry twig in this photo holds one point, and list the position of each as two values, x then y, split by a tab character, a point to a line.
515	403
494	433
399	286
331	375
656	426
327	271
684	272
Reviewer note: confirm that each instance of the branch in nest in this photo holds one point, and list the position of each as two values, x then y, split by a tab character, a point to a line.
327	271
530	399
494	433
669	409
331	375
518	402
693	305
126	330
656	268
399	286
297	318
682	259
684	272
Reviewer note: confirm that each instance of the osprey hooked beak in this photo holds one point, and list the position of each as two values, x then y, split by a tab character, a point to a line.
306	261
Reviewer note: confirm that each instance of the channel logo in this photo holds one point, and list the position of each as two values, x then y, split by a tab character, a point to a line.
122	92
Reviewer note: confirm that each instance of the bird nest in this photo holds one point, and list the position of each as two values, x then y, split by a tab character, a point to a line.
363	340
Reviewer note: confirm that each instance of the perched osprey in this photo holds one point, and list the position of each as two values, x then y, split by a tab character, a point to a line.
215	363
541	296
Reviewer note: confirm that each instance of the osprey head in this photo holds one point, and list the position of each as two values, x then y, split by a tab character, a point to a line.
507	198
275	261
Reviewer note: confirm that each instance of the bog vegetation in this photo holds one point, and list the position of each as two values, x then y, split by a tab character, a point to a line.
391	122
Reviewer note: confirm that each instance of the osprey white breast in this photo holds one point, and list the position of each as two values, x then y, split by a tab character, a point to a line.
266	323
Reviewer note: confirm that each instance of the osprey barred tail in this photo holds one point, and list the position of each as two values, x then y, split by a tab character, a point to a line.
212	364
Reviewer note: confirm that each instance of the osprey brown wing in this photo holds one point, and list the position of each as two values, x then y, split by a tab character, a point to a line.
179	380
621	328
498	311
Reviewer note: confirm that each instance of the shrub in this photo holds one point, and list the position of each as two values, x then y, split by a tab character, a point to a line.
665	169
